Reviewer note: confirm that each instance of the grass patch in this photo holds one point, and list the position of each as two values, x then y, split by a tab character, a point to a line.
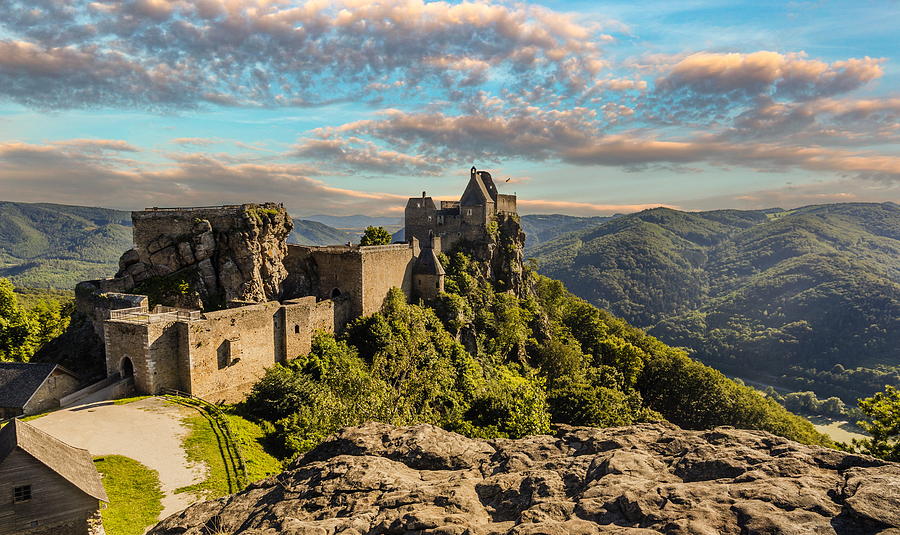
125	401
203	444
135	497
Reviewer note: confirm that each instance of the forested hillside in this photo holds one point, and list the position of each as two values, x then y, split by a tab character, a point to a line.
57	246
543	228
54	245
808	299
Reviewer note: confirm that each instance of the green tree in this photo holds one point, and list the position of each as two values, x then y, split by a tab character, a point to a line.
18	329
883	423
376	236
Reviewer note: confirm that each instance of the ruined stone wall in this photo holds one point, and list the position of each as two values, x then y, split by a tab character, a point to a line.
304	317
419	218
231	349
167	345
127	339
428	286
339	274
506	203
385	267
155	350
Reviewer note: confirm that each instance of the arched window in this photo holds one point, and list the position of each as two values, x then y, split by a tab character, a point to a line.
296	329
335	293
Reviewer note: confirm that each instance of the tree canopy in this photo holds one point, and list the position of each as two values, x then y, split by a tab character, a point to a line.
376	236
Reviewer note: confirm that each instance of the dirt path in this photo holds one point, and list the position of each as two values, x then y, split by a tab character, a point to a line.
149	431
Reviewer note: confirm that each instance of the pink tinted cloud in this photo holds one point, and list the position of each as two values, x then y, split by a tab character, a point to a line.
254	52
69	172
790	75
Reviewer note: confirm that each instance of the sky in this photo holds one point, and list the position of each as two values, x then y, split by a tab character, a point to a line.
350	107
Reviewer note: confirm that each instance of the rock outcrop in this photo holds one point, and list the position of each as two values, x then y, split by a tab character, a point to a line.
640	479
204	257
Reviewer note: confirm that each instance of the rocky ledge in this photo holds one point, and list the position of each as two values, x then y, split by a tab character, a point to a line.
630	480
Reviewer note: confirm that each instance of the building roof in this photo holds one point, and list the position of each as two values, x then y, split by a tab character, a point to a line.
73	464
476	193
428	263
20	380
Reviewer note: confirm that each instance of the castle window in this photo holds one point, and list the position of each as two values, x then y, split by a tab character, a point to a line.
21	494
229	352
296	329
469	211
418	205
429	218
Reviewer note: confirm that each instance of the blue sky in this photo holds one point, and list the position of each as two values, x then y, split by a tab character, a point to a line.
349	107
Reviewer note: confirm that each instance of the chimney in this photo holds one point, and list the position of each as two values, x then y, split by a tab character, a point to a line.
423	194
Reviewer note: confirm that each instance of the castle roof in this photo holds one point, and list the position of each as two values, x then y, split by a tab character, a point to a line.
73	464
428	263
477	191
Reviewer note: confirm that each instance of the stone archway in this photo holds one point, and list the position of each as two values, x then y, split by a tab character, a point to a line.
126	368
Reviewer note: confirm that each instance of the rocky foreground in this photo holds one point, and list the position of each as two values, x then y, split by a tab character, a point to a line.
629	480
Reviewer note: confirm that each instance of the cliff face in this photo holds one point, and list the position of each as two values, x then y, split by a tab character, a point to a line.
203	257
648	478
500	255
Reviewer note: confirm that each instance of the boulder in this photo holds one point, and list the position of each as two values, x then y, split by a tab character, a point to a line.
642	479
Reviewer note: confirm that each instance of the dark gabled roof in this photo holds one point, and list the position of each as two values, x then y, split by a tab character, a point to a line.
20	380
476	193
488	182
73	464
428	263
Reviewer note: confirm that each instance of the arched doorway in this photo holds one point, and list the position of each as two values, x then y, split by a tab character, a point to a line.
126	368
335	293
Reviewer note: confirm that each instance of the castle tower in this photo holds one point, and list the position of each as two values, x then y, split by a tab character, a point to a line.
428	273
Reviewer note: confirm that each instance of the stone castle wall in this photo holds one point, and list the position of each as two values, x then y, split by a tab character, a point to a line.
229	350
385	267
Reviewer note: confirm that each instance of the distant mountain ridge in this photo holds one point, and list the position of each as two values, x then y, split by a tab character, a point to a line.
46	245
753	292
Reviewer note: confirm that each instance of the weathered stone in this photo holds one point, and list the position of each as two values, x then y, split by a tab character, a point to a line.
642	479
185	254
245	247
130	257
204	245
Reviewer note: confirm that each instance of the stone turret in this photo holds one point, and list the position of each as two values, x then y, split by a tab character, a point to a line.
428	273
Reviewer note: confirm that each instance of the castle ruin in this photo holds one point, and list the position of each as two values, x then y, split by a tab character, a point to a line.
210	297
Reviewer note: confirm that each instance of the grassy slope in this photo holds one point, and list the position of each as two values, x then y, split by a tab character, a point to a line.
134	495
203	445
750	291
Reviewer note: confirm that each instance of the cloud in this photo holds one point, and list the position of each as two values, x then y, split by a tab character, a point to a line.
793	196
71	173
357	154
624	150
176	54
575	137
764	72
